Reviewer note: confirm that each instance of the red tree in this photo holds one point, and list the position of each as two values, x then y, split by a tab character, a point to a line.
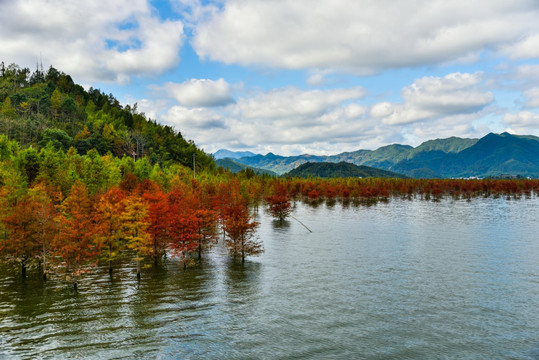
240	228
75	242
158	218
183	224
279	203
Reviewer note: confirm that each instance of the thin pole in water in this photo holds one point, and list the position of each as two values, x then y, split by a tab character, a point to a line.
305	226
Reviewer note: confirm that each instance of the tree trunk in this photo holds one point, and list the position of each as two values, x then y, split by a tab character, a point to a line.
110	260
242	250
44	263
23	269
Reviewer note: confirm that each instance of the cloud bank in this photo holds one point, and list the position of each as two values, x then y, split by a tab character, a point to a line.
364	37
91	40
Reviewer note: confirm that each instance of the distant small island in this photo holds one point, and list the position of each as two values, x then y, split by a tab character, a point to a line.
339	170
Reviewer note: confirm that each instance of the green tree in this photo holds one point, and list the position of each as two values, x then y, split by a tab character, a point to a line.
59	138
7	109
56	102
94	174
28	163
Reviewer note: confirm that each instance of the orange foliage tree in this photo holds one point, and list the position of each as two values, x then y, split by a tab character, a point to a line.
279	202
158	217
240	227
184	224
22	243
75	244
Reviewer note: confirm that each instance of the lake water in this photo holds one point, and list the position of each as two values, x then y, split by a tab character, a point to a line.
397	280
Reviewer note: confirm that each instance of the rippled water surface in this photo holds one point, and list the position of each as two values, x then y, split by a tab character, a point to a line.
397	280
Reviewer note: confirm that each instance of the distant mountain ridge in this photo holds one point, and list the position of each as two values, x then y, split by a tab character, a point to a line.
339	170
492	155
224	154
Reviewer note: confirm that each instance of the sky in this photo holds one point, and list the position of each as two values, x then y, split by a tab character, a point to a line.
295	76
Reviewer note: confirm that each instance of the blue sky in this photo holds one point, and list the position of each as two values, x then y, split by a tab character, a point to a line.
300	76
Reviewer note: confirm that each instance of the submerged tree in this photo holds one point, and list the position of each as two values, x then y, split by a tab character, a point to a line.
279	203
22	243
158	218
207	229
240	227
183	225
45	227
135	229
76	242
109	209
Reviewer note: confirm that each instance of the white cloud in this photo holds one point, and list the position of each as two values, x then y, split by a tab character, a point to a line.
92	40
532	96
523	123
525	49
363	37
434	98
284	119
201	92
528	73
294	106
197	119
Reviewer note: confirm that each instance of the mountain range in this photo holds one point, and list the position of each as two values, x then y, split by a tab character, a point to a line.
491	155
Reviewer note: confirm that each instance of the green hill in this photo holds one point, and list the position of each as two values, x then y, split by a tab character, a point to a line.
493	155
47	106
339	170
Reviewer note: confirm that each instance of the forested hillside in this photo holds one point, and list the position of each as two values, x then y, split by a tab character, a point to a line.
47	106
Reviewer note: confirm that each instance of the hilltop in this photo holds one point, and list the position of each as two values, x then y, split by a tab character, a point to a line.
47	106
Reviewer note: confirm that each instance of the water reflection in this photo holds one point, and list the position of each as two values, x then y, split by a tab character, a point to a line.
279	225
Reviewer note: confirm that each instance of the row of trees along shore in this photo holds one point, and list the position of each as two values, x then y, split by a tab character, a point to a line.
66	212
86	181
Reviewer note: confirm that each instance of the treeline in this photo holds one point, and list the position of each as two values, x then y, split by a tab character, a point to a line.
67	212
374	189
47	106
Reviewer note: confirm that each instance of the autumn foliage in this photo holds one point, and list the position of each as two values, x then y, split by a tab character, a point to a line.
70	220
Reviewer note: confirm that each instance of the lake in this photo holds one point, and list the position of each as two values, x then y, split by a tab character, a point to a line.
405	279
